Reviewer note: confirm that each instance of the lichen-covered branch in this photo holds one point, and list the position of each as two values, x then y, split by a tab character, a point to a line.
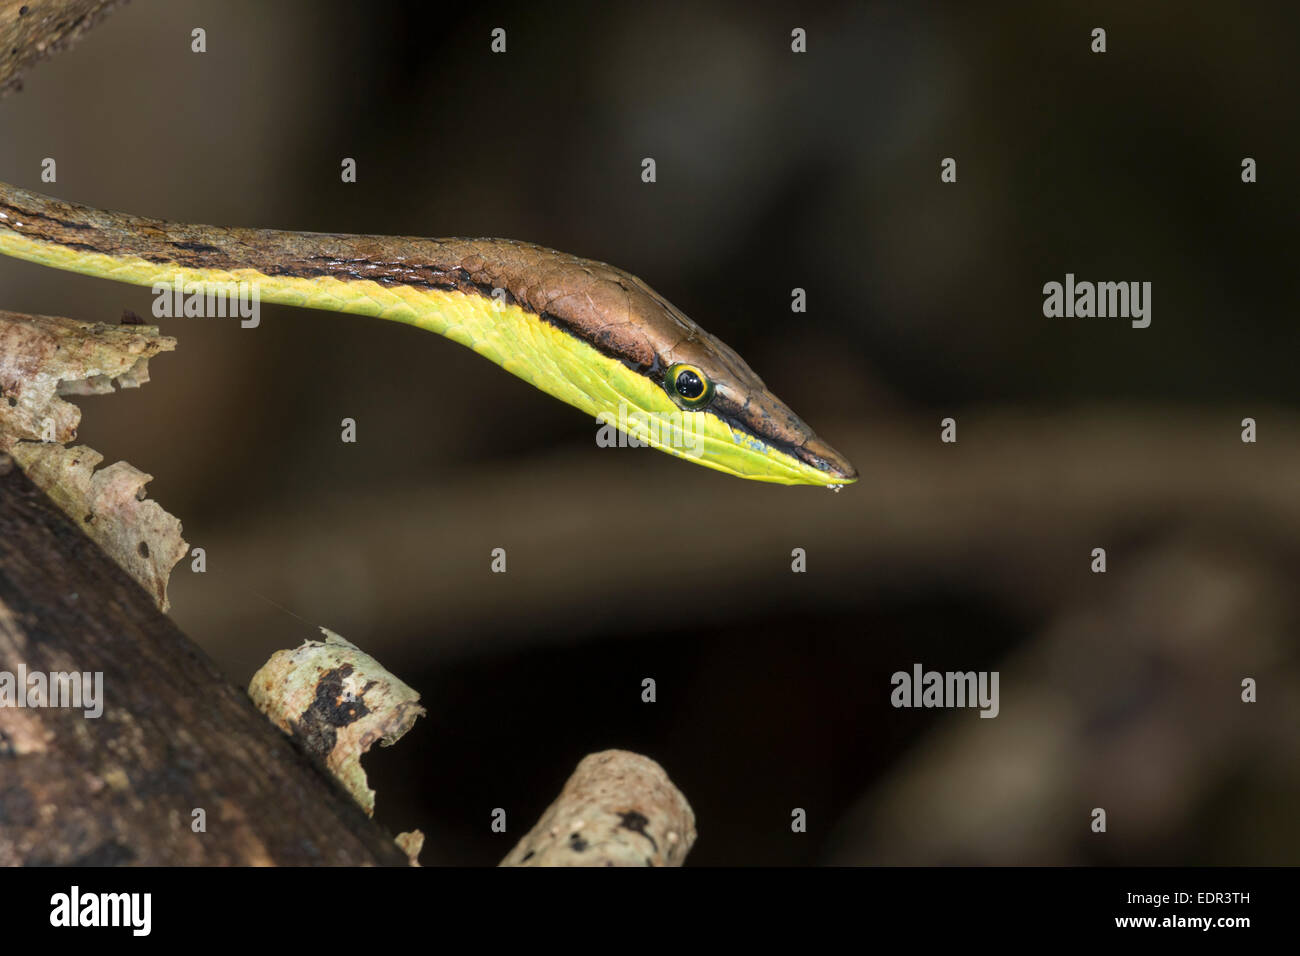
44	357
338	701
618	809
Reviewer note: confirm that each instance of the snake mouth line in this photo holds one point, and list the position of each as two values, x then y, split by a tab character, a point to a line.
835	466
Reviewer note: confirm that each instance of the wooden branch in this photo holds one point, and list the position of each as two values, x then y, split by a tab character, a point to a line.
1130	700
1005	512
175	742
618	809
31	30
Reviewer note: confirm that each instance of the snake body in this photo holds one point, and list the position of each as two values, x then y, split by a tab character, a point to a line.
583	331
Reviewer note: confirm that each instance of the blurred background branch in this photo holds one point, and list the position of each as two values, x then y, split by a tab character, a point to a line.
31	30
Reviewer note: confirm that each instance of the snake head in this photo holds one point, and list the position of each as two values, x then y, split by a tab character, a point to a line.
702	373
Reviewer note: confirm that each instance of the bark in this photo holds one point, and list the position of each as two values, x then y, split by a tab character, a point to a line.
174	737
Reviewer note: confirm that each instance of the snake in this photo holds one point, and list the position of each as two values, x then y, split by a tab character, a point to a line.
583	331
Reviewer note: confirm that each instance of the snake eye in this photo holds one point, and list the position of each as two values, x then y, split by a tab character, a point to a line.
689	386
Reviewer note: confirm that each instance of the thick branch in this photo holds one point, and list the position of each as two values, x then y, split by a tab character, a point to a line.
173	737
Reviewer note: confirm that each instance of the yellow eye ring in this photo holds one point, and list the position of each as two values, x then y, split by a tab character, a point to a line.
688	386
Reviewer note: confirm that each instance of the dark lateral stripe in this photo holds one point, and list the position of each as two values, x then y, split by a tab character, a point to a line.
386	261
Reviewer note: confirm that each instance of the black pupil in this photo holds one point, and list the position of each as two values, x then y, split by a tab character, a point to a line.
689	385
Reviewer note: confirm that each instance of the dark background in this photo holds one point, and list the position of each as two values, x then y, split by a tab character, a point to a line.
775	170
